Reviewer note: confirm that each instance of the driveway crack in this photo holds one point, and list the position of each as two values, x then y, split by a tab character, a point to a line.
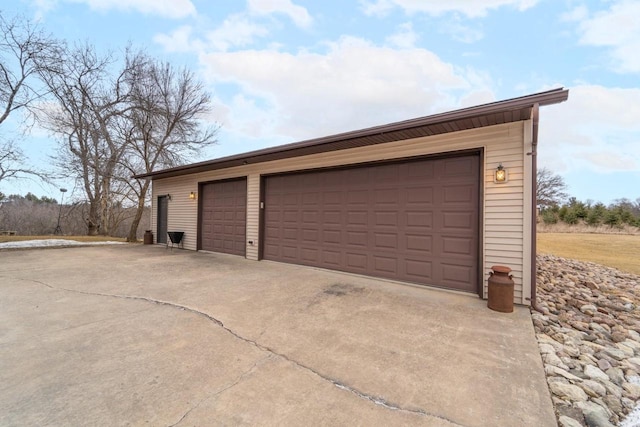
376	400
237	381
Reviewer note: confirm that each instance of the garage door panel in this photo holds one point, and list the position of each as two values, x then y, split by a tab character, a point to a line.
331	258
385	241
358	197
290	200
421	219
386	196
357	218
357	238
388	173
310	217
457	194
385	265
454	220
388	218
414	221
419	194
418	270
332	197
309	254
456	246
290	233
223	221
290	252
458	167
419	243
357	261
332	217
457	276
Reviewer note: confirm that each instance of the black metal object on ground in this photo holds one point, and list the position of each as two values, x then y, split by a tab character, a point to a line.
176	238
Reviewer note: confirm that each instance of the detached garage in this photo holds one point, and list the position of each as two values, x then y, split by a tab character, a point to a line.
432	201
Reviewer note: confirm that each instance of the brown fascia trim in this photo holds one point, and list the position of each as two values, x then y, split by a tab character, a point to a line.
553	96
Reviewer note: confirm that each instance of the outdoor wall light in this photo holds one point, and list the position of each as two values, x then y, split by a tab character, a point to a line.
192	195
501	175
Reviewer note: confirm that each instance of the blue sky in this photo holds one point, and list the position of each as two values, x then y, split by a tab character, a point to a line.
287	70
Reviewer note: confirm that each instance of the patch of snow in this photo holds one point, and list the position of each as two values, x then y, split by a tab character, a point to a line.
45	243
633	418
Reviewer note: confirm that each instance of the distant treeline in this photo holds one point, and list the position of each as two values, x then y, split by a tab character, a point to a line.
617	214
30	215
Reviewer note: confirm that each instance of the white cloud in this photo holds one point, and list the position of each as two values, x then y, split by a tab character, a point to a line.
165	8
617	28
470	8
42	7
404	38
236	30
576	14
352	85
179	40
298	14
597	129
460	32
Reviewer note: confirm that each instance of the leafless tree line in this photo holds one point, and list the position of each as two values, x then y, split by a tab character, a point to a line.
29	215
113	116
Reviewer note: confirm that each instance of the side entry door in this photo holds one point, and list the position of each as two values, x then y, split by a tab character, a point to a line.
163	209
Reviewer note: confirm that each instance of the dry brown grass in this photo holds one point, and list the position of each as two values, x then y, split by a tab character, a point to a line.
76	238
613	250
562	227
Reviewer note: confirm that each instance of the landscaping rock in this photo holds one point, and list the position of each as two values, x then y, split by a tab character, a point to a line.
565	421
632	391
616	375
589	339
593	388
594	414
568	391
595	373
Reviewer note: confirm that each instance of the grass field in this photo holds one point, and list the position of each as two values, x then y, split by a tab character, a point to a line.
613	250
76	238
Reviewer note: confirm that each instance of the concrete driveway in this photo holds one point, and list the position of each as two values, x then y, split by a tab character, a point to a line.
141	335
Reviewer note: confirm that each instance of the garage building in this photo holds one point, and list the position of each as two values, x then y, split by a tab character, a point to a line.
419	201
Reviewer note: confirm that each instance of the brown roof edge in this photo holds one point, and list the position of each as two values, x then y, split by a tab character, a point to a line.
549	97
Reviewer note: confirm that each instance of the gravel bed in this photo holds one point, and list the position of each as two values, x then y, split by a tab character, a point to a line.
589	339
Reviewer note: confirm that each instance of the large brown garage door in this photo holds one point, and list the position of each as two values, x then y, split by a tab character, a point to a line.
415	221
224	216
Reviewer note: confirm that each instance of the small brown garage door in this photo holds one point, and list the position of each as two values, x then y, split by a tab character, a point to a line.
224	216
415	221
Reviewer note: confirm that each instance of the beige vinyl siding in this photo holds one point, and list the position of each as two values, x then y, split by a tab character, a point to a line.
182	211
503	244
503	205
253	215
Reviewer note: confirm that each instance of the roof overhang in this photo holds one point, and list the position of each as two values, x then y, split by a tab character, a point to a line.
495	113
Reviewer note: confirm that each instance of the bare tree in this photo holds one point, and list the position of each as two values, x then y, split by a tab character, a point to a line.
25	51
165	124
551	188
12	162
89	103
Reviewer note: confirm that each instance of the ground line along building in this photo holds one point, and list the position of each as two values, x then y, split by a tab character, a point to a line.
415	201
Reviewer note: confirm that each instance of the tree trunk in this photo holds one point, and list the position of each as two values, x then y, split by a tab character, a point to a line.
133	231
105	215
92	221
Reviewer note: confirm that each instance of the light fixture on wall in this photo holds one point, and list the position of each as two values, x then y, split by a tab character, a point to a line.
501	175
192	195
168	196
